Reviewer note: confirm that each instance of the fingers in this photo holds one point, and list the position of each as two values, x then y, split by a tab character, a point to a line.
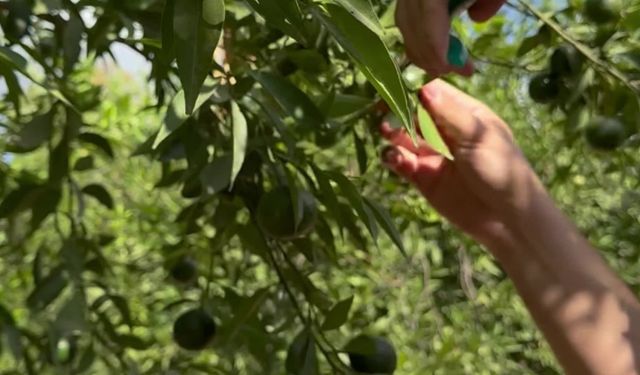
461	117
466	70
425	27
418	170
482	10
399	137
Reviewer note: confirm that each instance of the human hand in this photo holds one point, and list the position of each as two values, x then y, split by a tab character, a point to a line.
488	184
425	25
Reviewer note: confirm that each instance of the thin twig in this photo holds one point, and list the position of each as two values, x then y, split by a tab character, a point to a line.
294	301
502	64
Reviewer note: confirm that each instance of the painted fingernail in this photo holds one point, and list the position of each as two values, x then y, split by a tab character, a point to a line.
457	54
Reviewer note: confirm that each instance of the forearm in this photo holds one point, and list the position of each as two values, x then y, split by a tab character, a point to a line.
590	318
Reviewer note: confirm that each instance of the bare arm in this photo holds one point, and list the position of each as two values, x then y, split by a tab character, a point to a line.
590	318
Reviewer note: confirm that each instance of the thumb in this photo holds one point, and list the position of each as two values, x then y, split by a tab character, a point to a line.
461	117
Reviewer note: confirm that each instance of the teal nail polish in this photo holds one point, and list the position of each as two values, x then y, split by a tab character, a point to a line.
457	55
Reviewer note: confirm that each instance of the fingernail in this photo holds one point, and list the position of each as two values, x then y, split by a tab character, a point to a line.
431	91
391	156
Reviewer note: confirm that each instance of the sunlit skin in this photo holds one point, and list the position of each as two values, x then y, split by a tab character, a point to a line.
485	160
588	315
590	318
425	26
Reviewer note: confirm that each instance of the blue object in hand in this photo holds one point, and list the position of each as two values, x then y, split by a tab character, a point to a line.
457	55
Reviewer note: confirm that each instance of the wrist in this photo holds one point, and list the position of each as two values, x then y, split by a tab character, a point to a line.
530	202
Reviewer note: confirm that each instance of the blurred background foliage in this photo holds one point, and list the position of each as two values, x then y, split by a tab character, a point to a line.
107	183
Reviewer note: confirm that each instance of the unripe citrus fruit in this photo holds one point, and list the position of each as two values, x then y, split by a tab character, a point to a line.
372	355
545	88
275	213
184	270
605	133
194	330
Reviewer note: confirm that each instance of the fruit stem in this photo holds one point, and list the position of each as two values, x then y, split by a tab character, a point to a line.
584	50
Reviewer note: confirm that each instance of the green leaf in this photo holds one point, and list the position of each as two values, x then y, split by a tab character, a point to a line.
294	102
363	345
34	133
197	26
100	193
385	221
14	92
122	306
430	133
11	333
252	240
580	87
18	200
328	193
353	196
631	18
309	60
134	342
48	290
45	203
36	267
245	309
239	140
371	56
301	355
13	60
72	316
99	141
86	360
167	31
176	114
282	14
326	235
13	337
83	164
170	177
59	161
542	37
216	175
364	12
344	105
72	37
338	315
297	204
361	153
123	340
6	318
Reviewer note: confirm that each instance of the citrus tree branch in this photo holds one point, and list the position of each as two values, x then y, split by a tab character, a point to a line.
583	49
292	297
501	64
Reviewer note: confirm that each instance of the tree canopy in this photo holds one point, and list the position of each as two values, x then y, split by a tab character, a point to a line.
227	212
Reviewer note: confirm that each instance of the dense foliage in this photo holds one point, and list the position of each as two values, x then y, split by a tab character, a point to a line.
228	213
